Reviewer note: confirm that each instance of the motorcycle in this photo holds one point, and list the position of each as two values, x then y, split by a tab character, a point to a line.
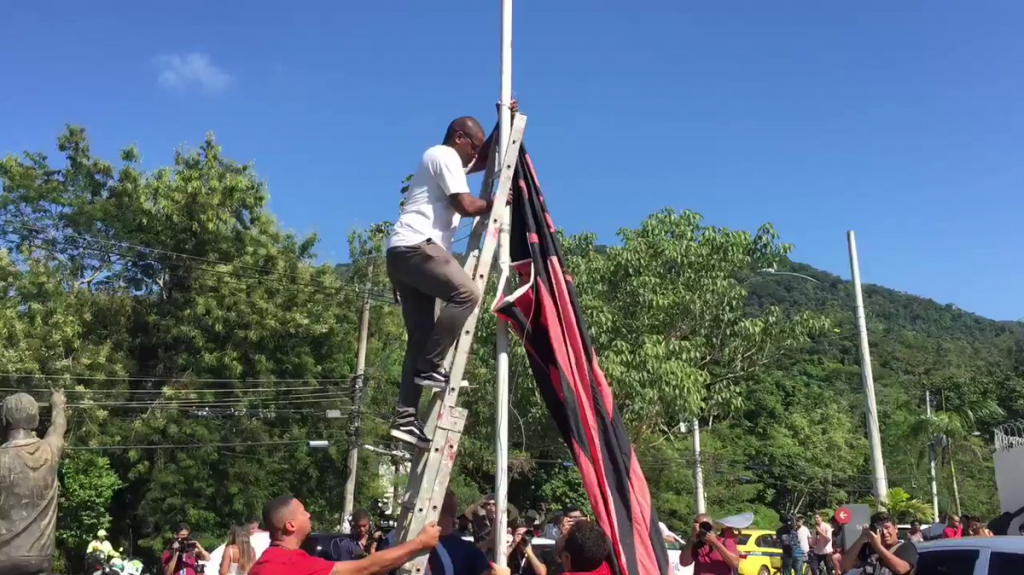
132	566
100	563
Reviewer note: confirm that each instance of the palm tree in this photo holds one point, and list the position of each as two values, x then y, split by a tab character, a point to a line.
949	431
901	506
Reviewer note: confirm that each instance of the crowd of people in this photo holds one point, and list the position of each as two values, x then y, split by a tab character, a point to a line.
461	543
458	544
878	550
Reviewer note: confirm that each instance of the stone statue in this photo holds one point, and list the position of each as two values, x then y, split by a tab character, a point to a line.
28	485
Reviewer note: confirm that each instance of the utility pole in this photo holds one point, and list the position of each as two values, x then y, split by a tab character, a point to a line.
501	394
881	486
931	459
357	407
698	470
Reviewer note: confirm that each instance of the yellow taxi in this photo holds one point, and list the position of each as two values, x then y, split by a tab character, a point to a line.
760	552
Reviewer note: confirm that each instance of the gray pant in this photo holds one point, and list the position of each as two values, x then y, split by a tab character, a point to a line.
423	274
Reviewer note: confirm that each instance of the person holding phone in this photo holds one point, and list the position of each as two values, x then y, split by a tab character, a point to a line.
522	560
708	553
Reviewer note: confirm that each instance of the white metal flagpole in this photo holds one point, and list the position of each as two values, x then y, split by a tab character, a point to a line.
504	260
881	485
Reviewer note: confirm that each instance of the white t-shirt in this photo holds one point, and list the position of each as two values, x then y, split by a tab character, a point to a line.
427	213
804	536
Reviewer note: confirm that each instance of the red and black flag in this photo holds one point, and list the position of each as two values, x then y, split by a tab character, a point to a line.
546	315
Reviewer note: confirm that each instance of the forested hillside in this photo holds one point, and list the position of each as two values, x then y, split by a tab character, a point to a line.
202	347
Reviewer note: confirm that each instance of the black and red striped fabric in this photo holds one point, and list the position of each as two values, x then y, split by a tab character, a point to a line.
546	315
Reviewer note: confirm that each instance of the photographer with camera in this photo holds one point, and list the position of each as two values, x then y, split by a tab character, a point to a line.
522	560
708	553
879	551
183	555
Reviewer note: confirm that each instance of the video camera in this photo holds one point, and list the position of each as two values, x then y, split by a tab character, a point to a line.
386	521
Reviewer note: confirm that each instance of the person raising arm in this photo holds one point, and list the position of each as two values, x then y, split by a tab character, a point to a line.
288	522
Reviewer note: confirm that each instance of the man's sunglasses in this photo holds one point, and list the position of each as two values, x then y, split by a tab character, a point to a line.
473	145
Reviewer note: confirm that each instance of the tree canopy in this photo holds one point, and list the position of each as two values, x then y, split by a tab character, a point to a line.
202	347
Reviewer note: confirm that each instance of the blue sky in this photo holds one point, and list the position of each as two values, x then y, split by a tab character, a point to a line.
901	120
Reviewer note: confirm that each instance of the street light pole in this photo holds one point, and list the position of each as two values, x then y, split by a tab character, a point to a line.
931	458
881	487
358	383
698	470
776	272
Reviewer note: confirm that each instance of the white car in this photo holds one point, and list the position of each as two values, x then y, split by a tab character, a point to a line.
1001	555
545	549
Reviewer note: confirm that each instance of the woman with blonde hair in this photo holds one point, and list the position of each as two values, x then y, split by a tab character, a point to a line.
238	554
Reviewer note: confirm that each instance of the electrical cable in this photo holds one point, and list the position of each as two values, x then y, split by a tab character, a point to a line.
161	251
375	296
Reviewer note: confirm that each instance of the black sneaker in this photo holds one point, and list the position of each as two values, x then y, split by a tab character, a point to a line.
437	378
407	427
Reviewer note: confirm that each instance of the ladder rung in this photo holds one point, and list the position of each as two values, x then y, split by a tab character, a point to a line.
464	384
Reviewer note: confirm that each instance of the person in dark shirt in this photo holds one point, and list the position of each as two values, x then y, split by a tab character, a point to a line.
522	560
453	554
465	526
886	554
1001	525
358	544
786	534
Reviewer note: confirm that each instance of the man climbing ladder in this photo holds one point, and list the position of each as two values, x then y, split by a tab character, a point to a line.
422	269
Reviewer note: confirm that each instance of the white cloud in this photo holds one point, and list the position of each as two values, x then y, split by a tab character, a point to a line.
183	71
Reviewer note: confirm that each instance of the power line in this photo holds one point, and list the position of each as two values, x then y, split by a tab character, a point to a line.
177	379
212	408
173	391
231	277
376	296
190	445
163	251
202	403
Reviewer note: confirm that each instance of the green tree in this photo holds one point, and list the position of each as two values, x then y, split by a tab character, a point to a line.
667	313
902	507
88	486
951	430
172	306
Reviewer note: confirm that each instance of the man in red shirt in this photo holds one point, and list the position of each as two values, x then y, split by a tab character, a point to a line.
953	528
706	552
288	522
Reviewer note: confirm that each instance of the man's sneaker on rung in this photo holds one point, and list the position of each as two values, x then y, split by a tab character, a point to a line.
410	430
437	378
